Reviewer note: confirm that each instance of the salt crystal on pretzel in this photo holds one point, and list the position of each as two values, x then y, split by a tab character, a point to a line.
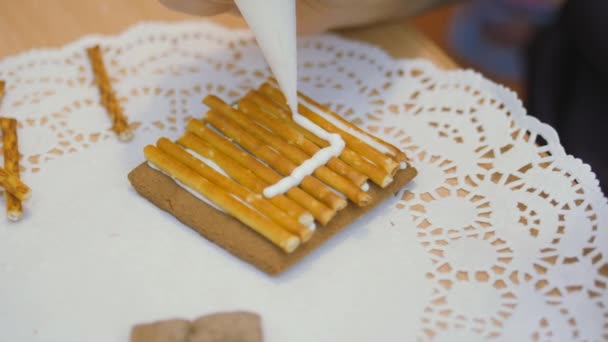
182	173
120	124
14	208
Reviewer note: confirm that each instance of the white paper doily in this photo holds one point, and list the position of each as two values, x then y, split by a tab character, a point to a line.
502	236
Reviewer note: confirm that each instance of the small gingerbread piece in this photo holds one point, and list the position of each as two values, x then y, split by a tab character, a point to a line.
219	327
229	326
175	330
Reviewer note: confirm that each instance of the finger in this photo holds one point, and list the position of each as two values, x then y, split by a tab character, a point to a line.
199	7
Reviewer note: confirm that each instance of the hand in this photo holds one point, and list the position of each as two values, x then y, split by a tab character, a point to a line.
316	15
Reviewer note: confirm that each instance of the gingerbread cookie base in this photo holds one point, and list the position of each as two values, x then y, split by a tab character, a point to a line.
237	238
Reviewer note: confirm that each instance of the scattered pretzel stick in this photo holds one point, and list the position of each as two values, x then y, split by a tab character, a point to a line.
267	228
254	200
283	165
356	144
353	159
319	210
290	152
14	208
244	176
120	124
13	185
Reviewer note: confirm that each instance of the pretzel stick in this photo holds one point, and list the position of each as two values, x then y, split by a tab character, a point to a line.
283	165
357	145
395	152
14	208
353	141
287	132
294	154
267	228
270	107
319	210
399	155
2	86
108	97
354	160
244	176
256	201
13	185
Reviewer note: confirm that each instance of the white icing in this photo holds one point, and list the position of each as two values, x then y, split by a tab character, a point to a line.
207	162
273	23
365	187
336	145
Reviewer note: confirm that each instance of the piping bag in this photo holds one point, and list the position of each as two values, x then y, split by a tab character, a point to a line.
273	22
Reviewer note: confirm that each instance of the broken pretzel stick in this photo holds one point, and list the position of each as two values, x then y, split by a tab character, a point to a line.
257	201
283	165
318	209
14	208
244	176
350	157
182	173
108	97
290	152
352	141
14	186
